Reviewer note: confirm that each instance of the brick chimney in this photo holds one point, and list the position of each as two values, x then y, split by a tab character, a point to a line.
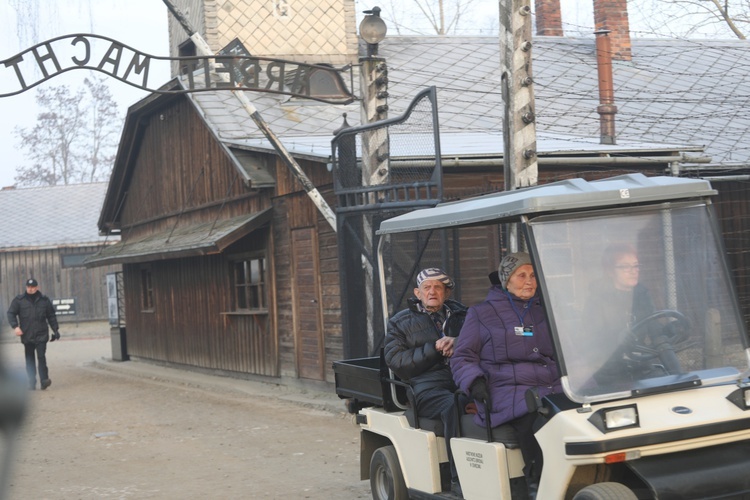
548	18
612	15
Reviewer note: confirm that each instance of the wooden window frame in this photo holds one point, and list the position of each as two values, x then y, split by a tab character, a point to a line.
250	283
147	290
74	260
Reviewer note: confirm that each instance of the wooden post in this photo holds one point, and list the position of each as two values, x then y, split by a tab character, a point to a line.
519	122
374	107
373	81
519	127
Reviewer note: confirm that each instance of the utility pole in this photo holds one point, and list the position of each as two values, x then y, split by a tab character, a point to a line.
520	167
519	127
203	49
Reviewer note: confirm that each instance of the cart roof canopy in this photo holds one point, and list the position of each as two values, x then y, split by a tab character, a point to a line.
562	196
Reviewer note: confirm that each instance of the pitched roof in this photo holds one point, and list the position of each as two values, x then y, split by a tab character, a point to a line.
57	216
682	91
678	92
673	91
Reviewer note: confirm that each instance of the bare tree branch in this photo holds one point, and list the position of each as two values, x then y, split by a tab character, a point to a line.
724	13
75	137
424	17
722	17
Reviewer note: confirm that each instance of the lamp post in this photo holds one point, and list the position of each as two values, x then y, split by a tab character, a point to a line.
373	83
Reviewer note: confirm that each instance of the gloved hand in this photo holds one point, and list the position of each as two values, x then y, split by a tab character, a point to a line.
478	390
54	336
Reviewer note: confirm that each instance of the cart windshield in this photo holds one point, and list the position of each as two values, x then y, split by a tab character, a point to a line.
640	300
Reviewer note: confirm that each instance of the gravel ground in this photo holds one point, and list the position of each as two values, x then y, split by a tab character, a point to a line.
109	429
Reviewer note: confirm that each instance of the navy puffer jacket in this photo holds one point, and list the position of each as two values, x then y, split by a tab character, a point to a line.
410	347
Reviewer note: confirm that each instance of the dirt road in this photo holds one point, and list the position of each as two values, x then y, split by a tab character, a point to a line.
123	430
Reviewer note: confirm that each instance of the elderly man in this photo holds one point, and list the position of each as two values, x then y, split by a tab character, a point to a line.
28	315
419	342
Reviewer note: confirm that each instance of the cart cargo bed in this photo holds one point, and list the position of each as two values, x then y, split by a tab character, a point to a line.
365	381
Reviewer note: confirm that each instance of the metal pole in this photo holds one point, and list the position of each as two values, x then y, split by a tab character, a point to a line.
606	108
203	49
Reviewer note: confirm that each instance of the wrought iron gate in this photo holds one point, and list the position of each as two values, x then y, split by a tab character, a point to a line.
381	170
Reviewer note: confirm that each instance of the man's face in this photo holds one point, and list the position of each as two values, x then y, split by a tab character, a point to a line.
432	293
31	290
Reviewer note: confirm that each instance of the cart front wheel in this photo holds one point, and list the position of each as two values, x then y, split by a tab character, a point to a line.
605	491
386	479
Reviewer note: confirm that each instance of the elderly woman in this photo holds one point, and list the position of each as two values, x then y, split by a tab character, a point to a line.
505	349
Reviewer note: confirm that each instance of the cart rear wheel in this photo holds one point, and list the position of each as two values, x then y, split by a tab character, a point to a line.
605	491
386	479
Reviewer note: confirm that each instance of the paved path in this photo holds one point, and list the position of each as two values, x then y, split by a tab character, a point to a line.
108	429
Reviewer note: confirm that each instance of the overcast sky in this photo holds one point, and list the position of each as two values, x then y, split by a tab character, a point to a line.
142	24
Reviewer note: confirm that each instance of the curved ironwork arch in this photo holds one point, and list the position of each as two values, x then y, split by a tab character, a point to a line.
61	54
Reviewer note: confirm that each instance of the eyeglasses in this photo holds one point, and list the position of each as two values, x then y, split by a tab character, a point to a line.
629	268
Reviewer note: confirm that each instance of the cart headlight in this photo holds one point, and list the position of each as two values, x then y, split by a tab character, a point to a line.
613	419
741	397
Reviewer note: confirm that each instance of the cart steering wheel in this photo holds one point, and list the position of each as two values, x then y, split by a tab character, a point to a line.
670	339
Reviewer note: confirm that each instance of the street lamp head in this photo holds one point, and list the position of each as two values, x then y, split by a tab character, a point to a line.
372	29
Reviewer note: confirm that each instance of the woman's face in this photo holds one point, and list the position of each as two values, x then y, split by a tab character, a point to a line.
522	283
626	271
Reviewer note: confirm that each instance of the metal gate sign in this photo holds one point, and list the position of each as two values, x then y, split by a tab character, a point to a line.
65	53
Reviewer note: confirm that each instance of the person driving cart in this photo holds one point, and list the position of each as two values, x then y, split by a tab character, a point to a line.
505	349
623	305
620	300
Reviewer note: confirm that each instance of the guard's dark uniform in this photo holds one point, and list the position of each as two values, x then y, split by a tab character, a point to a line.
33	313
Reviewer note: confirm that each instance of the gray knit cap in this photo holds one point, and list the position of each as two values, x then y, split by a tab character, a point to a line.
509	264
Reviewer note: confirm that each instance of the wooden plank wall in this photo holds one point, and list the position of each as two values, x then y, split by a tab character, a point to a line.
295	213
87	286
330	299
182	169
308	321
183	176
284	273
189	324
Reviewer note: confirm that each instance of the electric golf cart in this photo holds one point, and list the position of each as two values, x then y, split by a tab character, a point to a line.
671	420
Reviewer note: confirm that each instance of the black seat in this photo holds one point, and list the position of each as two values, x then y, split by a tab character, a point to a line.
501	434
427	424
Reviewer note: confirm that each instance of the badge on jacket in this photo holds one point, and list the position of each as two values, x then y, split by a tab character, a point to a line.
524	331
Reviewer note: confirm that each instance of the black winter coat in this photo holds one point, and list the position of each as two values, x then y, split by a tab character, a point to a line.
410	347
32	313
